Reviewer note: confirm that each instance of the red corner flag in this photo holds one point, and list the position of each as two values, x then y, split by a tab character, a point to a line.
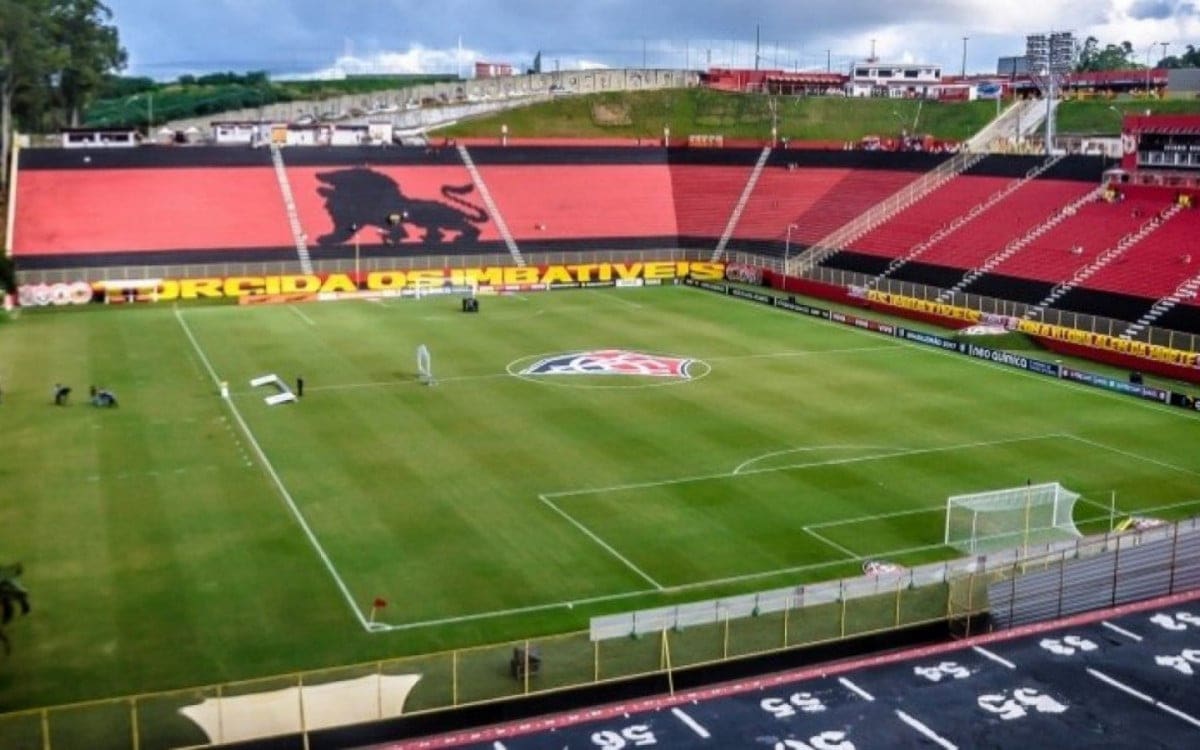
380	602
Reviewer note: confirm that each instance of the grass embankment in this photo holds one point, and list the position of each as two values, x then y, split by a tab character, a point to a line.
686	112
1096	116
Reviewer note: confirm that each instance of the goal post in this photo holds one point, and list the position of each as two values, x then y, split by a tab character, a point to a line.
1010	518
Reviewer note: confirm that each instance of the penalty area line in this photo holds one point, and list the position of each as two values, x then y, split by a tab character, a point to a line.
595	538
844	550
274	475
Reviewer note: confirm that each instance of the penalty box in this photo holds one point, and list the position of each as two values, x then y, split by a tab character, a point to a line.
807	513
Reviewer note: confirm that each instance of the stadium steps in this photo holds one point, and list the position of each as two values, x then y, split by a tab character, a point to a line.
740	206
916	190
1185	291
1103	259
289	202
1012	248
490	204
916	251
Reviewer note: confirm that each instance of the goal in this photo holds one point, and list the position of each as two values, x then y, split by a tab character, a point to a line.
1010	518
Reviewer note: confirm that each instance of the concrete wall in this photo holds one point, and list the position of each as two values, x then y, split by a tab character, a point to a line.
434	104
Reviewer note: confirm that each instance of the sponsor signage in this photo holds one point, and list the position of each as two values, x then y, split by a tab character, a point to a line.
796	307
1019	361
759	297
1009	359
232	287
1110	343
929	307
1147	392
928	339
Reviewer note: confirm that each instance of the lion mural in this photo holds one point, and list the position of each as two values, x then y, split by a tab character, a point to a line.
361	197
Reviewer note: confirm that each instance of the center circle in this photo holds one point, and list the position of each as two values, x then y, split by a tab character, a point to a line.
586	369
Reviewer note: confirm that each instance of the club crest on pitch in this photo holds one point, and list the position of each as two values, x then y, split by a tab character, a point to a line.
612	362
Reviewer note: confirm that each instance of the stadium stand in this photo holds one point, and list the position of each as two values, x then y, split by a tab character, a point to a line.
1156	268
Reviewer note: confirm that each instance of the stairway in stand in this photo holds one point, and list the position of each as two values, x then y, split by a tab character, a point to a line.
841	238
289	203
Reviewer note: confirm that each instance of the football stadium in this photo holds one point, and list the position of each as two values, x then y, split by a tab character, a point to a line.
321	434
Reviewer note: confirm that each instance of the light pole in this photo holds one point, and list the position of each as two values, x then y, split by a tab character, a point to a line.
964	57
787	247
1149	49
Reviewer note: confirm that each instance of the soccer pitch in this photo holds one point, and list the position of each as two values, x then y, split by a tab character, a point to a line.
185	539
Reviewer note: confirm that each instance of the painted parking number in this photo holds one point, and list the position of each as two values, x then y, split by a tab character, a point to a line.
830	740
636	735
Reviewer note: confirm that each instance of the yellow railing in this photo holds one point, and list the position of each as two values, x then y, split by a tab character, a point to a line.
456	678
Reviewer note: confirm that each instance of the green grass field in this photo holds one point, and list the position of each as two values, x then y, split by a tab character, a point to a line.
183	540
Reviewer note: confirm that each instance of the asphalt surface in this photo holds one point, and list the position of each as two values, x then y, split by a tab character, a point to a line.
1126	678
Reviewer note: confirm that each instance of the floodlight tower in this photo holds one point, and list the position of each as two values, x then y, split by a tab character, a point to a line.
1051	57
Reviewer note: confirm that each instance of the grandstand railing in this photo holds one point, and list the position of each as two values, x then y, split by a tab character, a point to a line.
1066	318
952	591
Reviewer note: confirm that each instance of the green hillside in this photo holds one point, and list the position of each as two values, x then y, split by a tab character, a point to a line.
1103	116
704	111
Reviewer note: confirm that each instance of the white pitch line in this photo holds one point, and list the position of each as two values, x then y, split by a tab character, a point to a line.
303	317
1143	697
643	592
1100	393
617	298
270	469
774	469
878	516
1136	456
856	689
393	383
1118	629
591	535
691	723
848	552
808	353
809	449
929	733
457	619
993	656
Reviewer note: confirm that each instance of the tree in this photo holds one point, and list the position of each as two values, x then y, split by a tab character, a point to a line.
81	28
52	53
1189	59
23	41
13	596
1111	57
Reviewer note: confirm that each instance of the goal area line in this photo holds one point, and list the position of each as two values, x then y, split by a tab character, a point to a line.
361	617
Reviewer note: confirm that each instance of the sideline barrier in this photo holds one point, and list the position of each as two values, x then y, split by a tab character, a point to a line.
953	590
999	356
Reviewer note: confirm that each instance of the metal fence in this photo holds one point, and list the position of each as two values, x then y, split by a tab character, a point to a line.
1067	318
652	642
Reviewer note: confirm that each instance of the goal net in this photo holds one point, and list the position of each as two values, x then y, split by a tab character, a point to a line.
1010	518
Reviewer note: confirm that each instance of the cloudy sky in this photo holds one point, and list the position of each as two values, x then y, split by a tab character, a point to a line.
378	36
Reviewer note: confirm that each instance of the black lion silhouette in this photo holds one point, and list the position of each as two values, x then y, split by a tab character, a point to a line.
361	197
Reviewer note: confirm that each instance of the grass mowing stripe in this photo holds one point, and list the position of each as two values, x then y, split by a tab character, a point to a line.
591	535
772	469
1136	456
1152	405
300	313
849	552
283	491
